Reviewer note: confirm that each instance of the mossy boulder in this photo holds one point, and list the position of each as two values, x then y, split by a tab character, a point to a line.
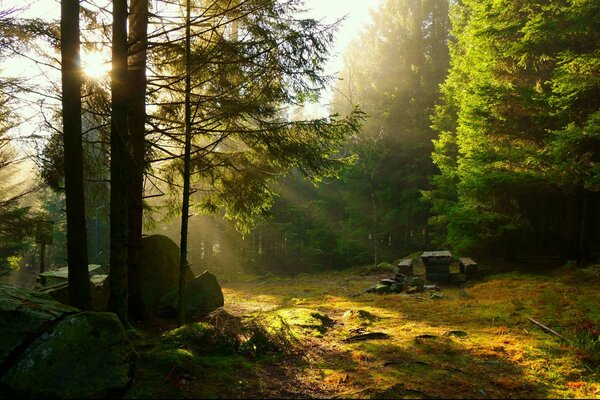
50	350
159	272
203	295
23	314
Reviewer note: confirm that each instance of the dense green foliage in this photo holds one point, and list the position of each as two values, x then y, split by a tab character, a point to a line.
518	145
515	141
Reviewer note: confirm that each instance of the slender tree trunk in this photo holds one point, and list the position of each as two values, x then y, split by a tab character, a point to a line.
573	223
588	225
77	257
138	39
186	172
374	211
119	165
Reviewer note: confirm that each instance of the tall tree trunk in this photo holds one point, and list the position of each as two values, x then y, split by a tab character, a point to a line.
77	257
375	222
573	223
138	39
186	172
119	165
588	226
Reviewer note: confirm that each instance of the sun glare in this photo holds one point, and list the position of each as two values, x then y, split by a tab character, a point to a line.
94	64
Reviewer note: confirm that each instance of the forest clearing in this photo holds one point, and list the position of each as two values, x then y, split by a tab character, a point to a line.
299	199
472	342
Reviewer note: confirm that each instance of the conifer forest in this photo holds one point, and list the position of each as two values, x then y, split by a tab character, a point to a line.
300	199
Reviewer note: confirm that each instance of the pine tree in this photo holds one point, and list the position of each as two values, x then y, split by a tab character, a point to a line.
508	108
119	165
393	72
79	288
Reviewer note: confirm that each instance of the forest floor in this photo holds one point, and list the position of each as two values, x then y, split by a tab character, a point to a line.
469	341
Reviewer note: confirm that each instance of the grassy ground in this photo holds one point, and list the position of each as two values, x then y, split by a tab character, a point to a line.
474	341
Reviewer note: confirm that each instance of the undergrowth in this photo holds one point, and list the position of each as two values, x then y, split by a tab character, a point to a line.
204	359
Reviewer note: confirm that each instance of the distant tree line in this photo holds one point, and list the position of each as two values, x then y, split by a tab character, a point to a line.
482	137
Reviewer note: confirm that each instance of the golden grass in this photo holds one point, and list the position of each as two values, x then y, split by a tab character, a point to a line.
502	355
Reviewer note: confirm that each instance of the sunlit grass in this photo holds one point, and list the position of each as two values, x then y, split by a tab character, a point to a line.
472	342
503	353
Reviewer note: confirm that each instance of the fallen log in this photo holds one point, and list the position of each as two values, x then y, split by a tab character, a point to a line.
544	327
366	336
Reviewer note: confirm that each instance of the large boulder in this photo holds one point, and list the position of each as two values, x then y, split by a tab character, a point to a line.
203	295
50	350
159	272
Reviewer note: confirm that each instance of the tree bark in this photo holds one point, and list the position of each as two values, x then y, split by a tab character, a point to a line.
588	226
77	257
138	39
375	222
186	171
119	165
574	202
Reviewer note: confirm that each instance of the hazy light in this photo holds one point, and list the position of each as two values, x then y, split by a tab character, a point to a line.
94	64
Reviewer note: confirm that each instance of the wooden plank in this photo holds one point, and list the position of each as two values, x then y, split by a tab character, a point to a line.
436	254
466	261
407	262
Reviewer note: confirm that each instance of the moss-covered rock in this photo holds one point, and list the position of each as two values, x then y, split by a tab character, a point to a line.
159	272
203	295
84	355
24	314
50	350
